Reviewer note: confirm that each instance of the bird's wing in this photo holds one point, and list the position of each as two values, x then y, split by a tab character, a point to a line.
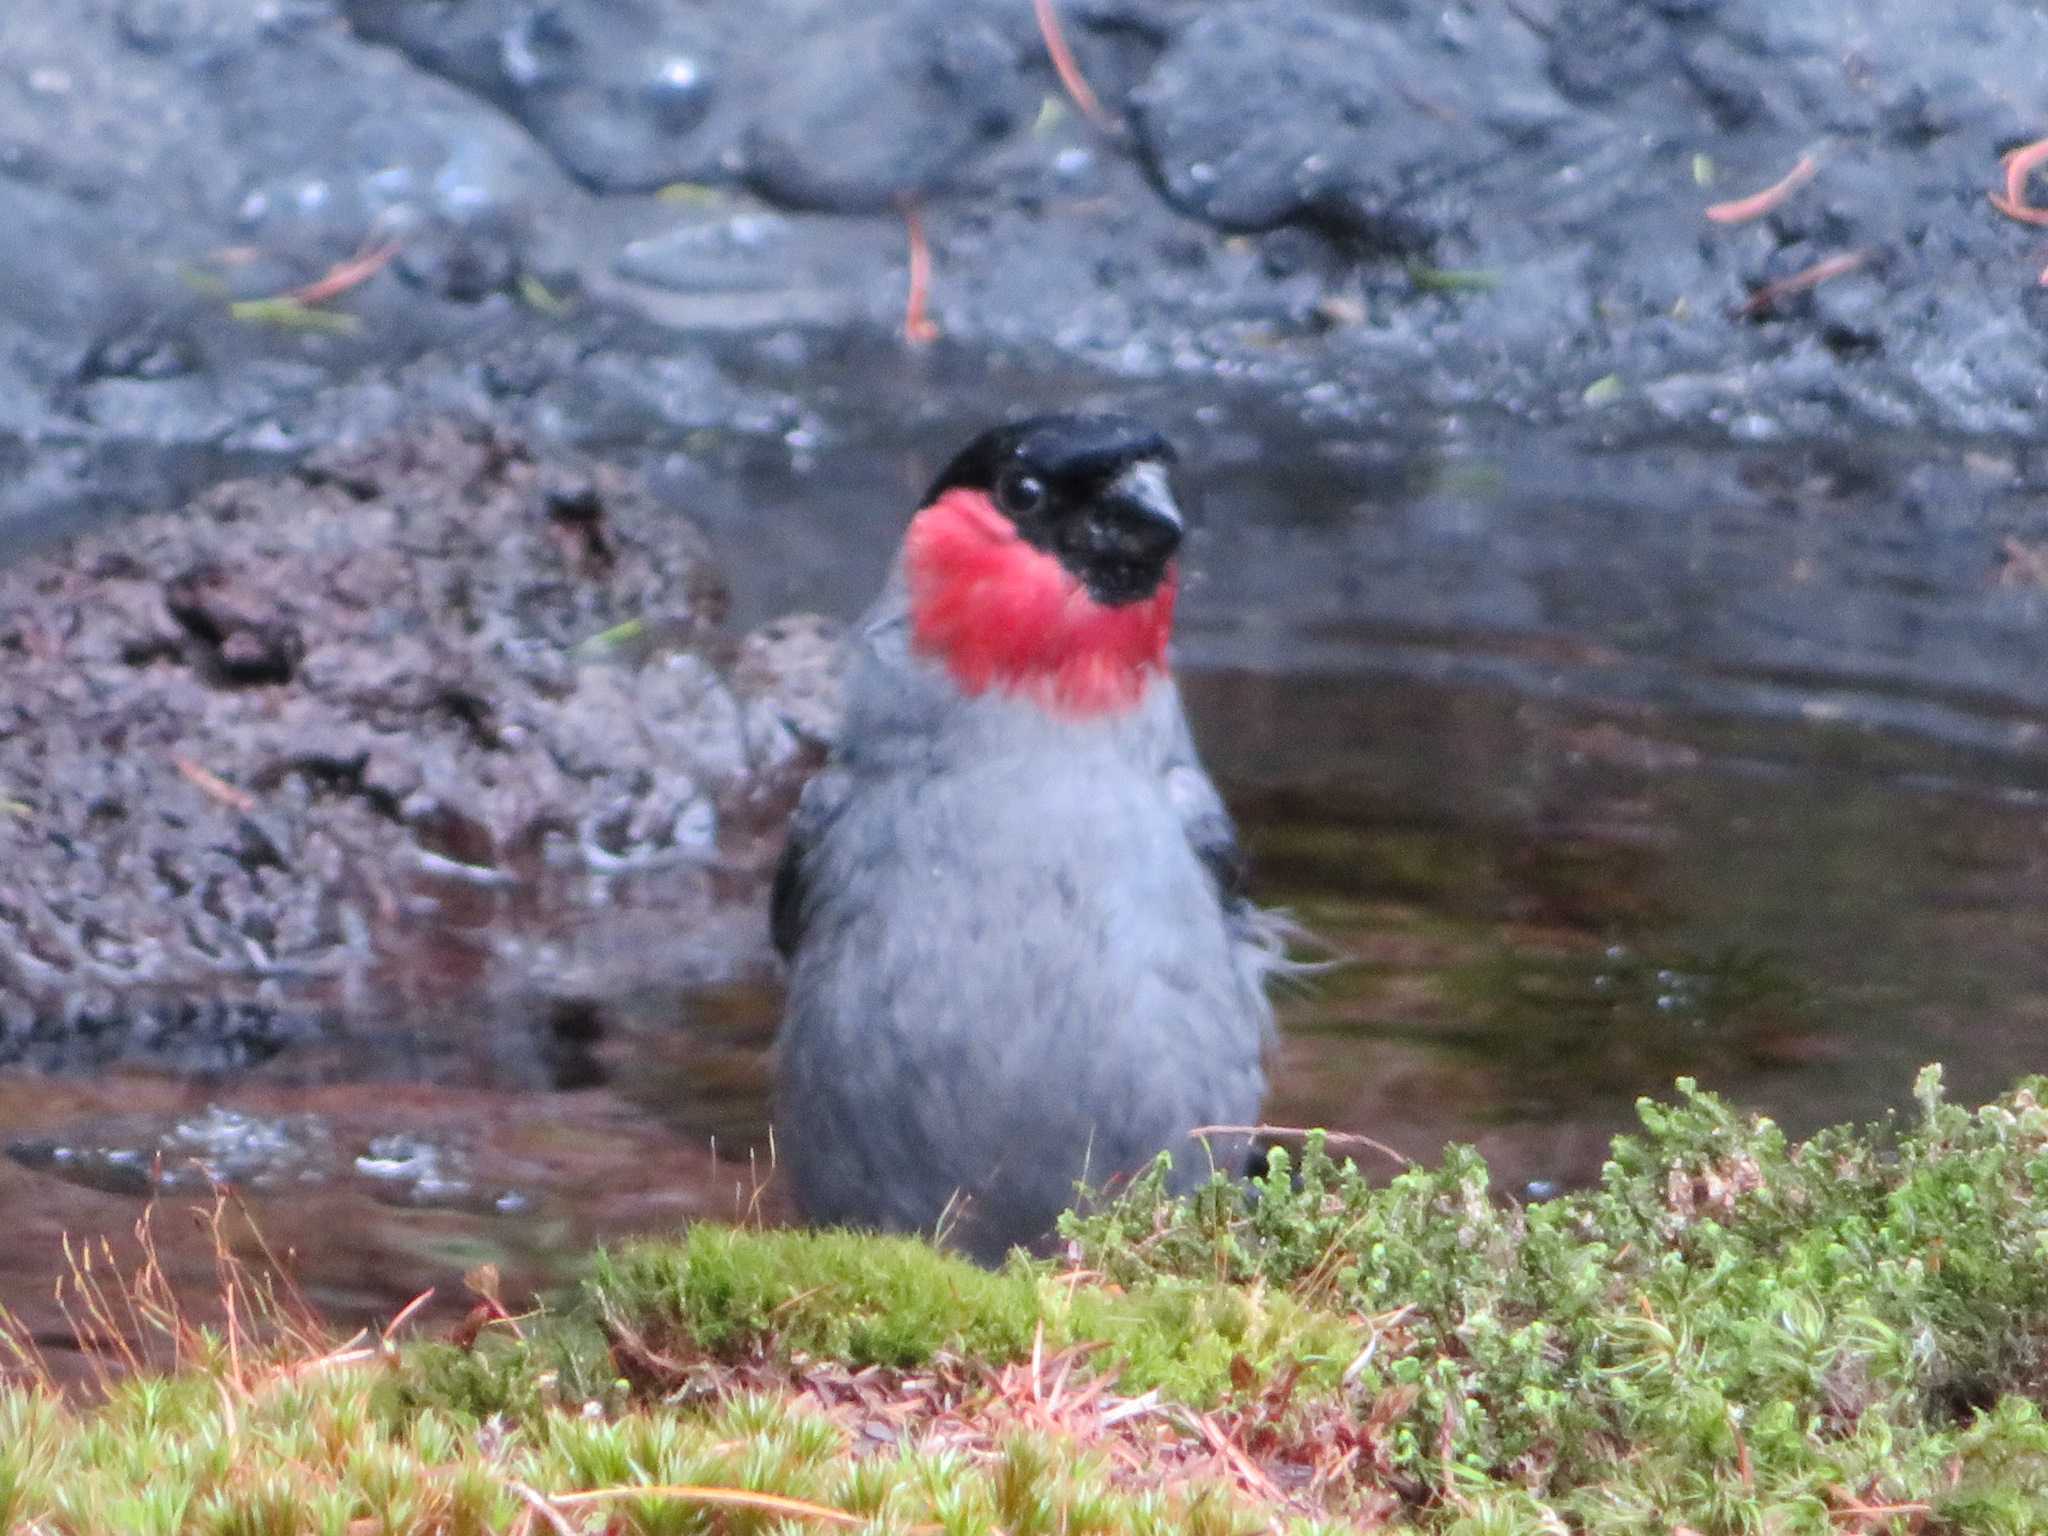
822	800
1210	831
1265	936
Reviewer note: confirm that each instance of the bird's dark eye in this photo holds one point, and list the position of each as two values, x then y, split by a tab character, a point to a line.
1021	493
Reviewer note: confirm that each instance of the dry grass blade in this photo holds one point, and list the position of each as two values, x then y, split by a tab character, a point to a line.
405	1315
918	326
721	1498
1336	1141
1249	1474
1767	297
538	1505
344	275
213	786
2019	165
1072	81
1742	209
127	1318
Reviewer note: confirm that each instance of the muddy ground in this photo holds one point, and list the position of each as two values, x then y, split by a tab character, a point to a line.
1365	207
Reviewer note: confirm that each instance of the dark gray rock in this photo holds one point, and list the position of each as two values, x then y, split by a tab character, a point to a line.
1281	112
626	95
256	724
874	107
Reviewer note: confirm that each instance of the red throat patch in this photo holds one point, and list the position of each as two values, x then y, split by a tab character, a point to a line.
1002	614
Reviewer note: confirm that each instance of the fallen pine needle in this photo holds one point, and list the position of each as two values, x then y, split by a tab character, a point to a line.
290	315
344	275
537	295
724	1498
537	1504
1860	1512
213	786
405	1313
1452	279
2025	564
2018	166
1338	1139
1809	277
1742	209
918	327
1063	64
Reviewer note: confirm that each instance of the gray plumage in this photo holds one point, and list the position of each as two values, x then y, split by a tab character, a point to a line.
1020	956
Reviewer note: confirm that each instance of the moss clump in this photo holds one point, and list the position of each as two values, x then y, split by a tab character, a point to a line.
1730	1332
732	1294
720	1304
295	1457
1730	1335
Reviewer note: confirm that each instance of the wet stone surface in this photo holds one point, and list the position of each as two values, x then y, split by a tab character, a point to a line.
246	747
1365	209
267	1155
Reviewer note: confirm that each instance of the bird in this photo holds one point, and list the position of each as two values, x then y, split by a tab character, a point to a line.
1021	955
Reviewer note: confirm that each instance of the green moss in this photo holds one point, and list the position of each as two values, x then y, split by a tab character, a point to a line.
730	1294
725	1296
1728	1333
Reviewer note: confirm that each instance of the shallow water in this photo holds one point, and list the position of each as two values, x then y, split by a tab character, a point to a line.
1599	767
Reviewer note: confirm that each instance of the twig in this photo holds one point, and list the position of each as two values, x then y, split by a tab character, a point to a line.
1742	209
344	275
1063	64
1380	1328
1743	1468
1862	1512
214	787
538	1504
405	1313
2013	203
726	1498
1809	277
1338	1139
918	327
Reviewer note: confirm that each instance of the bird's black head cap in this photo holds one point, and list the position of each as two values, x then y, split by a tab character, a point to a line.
1091	491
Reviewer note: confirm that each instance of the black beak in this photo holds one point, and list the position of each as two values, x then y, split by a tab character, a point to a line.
1144	519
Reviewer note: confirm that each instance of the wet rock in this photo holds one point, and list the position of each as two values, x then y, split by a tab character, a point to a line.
463	261
873	107
89	1029
254	718
1500	204
789	679
217	1146
262	1154
1374	120
626	95
818	105
1601	49
404	1168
